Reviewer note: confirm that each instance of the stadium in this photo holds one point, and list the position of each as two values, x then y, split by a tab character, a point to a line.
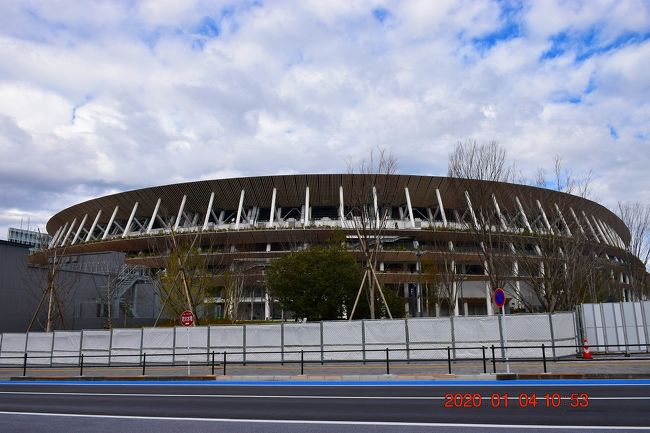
442	244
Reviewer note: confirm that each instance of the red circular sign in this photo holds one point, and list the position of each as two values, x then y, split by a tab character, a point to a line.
499	297
187	318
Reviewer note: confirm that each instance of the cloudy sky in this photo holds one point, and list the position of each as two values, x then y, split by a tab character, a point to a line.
100	97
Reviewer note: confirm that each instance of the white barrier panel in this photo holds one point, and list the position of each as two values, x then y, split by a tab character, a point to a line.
229	339
564	333
429	338
261	339
527	330
302	336
383	334
39	348
13	348
66	348
158	344
474	332
339	338
623	327
125	347
198	344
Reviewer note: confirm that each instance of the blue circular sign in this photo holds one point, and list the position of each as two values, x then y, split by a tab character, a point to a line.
499	297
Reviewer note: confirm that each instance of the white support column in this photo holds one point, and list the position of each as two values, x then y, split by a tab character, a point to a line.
180	213
92	227
546	223
56	237
454	292
127	228
575	217
74	221
441	207
272	208
374	198
81	226
591	228
504	227
208	212
600	230
305	213
341	206
239	209
523	214
559	212
471	210
488	299
267	303
110	223
153	215
410	208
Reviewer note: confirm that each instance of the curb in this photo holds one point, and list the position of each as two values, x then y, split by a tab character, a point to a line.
337	378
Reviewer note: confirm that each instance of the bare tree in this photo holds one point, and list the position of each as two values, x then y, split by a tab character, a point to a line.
440	269
636	217
565	180
371	198
480	173
471	160
56	290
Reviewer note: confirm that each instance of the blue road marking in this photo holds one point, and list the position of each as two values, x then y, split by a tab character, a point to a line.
342	383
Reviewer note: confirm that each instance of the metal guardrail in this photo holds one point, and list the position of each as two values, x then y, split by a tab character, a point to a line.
224	359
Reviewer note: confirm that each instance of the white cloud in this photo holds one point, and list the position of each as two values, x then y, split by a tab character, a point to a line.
107	96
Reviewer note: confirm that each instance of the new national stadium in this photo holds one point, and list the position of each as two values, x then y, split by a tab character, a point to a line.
429	232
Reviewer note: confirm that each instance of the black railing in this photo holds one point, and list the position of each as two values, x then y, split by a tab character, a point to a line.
385	355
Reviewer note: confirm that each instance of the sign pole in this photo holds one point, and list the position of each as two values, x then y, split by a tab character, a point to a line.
500	301
505	338
187	320
188	350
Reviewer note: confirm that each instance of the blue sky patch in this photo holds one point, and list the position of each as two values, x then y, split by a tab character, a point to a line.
613	132
587	43
511	28
208	27
381	14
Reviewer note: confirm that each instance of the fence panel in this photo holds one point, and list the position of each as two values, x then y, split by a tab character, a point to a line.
564	333
96	346
13	348
39	348
429	338
126	346
191	343
158	344
382	334
261	339
630	330
66	348
475	331
343	340
228	338
302	336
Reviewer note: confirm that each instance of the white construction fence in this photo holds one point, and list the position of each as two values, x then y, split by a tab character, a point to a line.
407	339
616	327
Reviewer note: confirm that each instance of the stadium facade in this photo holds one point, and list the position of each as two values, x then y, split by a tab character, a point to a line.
427	228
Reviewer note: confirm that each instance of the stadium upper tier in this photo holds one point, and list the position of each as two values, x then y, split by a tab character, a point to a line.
290	202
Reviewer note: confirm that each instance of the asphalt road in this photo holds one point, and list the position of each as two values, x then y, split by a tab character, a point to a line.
361	407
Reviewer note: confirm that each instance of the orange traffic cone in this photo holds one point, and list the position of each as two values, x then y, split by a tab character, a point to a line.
586	354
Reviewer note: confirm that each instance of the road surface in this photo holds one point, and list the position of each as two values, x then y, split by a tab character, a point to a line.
306	407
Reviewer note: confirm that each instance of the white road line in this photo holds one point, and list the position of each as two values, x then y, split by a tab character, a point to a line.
321	422
298	397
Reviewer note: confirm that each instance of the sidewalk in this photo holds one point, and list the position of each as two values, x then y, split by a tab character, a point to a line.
601	367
